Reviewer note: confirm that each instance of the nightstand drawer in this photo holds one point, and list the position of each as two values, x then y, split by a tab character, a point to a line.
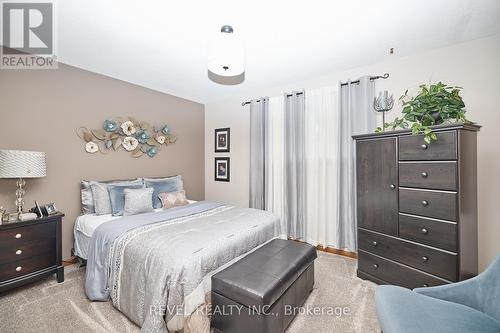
430	175
428	231
437	204
27	250
22	267
395	273
414	148
14	237
430	260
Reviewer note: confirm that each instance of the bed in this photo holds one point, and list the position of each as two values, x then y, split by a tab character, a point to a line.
156	267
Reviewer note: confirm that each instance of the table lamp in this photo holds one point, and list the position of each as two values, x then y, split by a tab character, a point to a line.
21	164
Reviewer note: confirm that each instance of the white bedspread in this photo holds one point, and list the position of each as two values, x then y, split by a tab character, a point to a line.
84	228
86	224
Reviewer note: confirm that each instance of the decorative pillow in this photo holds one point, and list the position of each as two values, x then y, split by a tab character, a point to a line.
100	195
138	201
170	184
180	183
117	197
87	199
173	199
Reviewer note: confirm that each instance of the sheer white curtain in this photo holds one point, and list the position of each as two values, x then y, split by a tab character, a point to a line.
276	137
321	166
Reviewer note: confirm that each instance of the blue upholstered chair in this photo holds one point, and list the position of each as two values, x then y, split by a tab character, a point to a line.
467	306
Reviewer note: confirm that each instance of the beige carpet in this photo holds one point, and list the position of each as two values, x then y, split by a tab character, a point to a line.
51	307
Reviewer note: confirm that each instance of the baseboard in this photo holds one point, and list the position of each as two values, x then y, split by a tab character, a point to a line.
333	250
70	261
330	249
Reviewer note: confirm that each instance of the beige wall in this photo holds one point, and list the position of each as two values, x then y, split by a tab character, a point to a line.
473	65
40	110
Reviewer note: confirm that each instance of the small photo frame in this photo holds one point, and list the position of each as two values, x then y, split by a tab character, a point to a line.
51	209
38	211
222	140
222	168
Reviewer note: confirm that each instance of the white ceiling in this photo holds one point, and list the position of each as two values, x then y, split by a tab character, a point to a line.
163	45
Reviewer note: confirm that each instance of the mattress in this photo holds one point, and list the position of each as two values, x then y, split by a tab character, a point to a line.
85	225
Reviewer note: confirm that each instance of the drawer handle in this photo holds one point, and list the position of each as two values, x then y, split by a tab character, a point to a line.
19	252
374	243
425	285
18	268
425	231
425	203
424	174
424	146
375	266
18	236
392	186
425	259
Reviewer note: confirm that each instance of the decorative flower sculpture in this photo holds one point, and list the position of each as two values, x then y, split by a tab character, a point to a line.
142	136
160	139
110	125
165	130
130	143
134	136
91	147
152	152
128	128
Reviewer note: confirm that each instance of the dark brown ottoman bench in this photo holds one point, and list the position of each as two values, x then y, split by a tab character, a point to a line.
258	293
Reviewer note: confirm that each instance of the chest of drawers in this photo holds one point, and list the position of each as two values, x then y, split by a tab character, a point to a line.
30	251
417	206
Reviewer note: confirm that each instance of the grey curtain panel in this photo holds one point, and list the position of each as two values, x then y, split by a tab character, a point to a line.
259	113
295	165
356	116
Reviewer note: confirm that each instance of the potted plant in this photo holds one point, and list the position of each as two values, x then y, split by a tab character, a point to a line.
434	105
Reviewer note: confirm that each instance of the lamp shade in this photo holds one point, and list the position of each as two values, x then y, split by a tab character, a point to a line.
226	55
22	164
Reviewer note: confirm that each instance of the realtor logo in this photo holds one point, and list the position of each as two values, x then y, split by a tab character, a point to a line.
28	35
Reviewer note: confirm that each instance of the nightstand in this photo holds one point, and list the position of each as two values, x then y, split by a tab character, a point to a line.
30	251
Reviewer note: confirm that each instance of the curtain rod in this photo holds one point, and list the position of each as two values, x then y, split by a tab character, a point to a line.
287	95
385	76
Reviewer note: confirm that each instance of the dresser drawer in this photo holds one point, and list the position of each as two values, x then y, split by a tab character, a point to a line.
414	148
430	175
12	238
22	267
27	250
395	273
428	231
434	261
437	204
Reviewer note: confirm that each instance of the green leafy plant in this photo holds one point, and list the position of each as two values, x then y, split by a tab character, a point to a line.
434	105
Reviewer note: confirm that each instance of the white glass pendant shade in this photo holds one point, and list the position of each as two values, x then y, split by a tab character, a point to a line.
226	57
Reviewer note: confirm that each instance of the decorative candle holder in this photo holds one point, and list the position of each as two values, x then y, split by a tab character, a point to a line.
383	103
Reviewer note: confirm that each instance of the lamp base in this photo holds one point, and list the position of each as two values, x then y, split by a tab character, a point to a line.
20	192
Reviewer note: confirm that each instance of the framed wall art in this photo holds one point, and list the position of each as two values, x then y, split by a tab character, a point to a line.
222	169
222	140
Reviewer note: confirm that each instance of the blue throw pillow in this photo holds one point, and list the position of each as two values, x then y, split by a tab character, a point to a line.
167	185
117	197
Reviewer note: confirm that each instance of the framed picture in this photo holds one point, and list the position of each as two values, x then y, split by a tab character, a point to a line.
50	208
222	140
222	168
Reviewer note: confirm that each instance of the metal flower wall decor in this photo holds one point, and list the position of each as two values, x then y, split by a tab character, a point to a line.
138	138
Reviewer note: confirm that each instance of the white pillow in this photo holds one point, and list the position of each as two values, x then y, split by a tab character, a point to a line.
138	201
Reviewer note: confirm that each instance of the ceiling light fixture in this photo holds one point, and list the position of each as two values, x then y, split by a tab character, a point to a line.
226	56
